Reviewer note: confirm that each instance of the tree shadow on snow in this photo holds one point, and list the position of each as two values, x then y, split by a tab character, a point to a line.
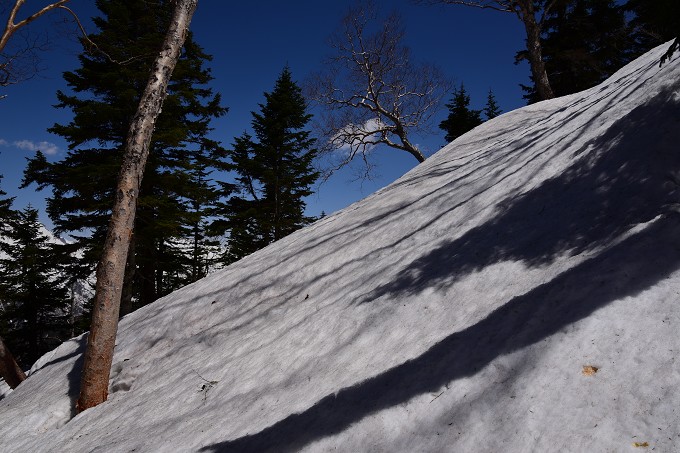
629	178
631	175
626	269
74	374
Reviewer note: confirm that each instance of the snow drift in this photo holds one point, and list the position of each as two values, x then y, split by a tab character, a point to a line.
516	292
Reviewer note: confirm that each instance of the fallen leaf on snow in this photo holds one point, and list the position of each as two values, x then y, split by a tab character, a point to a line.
589	370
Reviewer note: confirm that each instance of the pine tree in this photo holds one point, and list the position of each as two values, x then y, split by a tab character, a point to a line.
461	118
5	209
106	91
491	109
654	22
274	171
33	318
584	42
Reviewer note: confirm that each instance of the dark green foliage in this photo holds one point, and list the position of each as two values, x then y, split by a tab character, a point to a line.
34	303
176	184
491	109
584	42
5	210
274	172
654	21
461	118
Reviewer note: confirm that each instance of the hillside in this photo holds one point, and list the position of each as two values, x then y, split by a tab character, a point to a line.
516	292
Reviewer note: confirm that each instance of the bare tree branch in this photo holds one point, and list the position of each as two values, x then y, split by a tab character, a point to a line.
371	92
11	27
532	14
22	62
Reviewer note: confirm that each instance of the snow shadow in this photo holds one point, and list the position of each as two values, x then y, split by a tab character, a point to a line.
625	177
626	269
74	374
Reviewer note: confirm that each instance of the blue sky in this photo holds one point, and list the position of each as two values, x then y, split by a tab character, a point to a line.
251	42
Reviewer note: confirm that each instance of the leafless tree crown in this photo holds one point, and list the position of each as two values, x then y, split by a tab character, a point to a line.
371	91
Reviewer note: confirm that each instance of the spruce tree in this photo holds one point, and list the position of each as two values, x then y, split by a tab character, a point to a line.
35	304
654	22
584	42
461	118
105	93
274	171
5	209
491	109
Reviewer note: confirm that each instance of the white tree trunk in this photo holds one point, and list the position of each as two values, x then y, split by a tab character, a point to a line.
111	268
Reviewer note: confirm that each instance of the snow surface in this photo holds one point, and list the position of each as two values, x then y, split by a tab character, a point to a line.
454	310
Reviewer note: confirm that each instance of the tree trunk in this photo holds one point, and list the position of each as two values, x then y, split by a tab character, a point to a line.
128	281
111	267
527	15
9	370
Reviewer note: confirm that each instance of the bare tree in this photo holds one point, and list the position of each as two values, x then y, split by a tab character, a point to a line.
9	370
372	92
111	268
533	14
17	64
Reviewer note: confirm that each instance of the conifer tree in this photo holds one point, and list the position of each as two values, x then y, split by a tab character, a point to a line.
654	22
274	171
105	93
10	370
461	118
33	317
5	209
491	109
584	42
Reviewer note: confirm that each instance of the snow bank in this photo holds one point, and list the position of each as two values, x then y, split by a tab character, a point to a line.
516	292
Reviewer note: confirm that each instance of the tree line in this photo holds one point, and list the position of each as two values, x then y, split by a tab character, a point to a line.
183	209
372	91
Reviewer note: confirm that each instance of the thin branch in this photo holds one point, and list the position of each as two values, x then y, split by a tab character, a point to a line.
11	27
503	6
94	45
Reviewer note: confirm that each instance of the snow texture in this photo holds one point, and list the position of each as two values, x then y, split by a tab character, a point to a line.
516	292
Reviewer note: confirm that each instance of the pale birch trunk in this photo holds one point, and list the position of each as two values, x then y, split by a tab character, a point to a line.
111	268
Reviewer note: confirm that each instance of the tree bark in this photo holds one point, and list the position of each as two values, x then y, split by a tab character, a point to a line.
9	369
128	280
111	267
527	15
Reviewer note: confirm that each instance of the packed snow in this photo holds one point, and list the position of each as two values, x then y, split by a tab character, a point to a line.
516	292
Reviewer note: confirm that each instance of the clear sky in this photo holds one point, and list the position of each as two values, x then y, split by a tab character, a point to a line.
251	42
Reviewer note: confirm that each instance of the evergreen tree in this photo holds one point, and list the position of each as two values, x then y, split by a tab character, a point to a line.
461	118
106	91
491	109
33	318
274	171
654	22
584	42
5	209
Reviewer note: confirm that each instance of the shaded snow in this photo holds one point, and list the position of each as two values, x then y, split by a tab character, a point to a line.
453	310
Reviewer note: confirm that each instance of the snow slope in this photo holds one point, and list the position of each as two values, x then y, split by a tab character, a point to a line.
454	310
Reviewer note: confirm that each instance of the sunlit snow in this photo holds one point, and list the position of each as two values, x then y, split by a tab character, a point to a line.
518	291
